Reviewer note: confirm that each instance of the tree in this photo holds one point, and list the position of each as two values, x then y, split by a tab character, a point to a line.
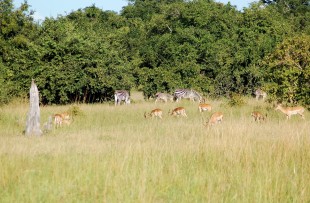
288	71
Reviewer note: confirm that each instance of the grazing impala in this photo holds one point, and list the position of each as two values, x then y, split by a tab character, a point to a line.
157	113
258	116
217	117
289	111
179	111
204	107
59	119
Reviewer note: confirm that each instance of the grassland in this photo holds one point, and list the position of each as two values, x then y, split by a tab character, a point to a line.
113	154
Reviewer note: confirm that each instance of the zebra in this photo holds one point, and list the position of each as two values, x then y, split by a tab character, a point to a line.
163	96
121	95
187	94
260	93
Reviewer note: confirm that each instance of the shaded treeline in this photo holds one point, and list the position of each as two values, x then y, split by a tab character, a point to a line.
157	46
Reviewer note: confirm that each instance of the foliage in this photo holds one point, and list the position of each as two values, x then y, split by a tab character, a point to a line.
150	46
288	71
236	100
75	110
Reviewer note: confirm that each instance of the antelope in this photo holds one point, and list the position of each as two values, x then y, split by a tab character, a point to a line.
59	119
204	107
289	111
157	113
179	111
260	93
258	116
217	117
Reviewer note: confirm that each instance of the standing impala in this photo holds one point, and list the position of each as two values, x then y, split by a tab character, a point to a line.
59	119
258	116
289	111
179	111
217	117
157	113
204	107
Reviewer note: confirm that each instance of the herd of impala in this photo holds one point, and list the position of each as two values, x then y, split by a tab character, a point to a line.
216	117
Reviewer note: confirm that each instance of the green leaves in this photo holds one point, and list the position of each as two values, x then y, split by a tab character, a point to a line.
289	69
157	46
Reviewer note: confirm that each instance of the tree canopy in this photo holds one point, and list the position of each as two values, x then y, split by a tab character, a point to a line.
157	46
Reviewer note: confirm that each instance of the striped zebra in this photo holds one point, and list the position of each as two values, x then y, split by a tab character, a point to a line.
163	97
260	93
121	95
187	94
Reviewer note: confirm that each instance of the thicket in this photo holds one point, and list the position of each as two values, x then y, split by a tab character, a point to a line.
157	46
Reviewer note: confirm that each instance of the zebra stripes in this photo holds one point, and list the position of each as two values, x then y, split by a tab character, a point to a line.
163	96
260	93
187	94
121	95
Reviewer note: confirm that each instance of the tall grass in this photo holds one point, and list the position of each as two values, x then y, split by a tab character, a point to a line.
113	154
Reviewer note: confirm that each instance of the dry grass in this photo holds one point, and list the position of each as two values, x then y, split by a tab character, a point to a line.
113	154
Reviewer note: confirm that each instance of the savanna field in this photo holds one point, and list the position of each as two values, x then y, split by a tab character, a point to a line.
114	154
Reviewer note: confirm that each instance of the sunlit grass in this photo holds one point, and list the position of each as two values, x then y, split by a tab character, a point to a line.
113	154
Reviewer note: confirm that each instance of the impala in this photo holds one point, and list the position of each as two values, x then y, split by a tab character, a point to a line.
179	111
289	111
157	113
258	116
204	107
59	119
217	117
